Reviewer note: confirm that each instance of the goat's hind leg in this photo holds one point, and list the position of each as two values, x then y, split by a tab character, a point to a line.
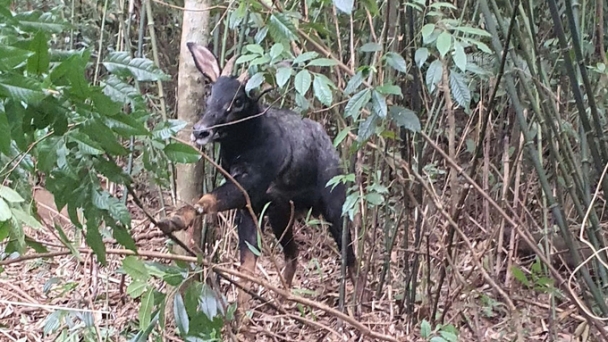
247	231
281	220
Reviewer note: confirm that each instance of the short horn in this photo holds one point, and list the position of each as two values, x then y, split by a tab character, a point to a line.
244	77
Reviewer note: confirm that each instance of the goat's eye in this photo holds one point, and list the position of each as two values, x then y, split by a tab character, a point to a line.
238	103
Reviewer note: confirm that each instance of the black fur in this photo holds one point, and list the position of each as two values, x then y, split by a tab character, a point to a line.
277	157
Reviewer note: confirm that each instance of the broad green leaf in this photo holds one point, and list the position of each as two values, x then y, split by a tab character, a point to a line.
323	62
370	47
353	83
481	46
85	143
145	309
426	31
136	288
379	104
305	57
276	50
5	211
118	90
367	127
10	195
421	55
345	6
181	153
374	198
389	89
4	230
433	75
460	89
141	68
356	102
444	43
180	314
282	76
95	241
26	218
135	268
459	56
21	88
302	81
396	61
255	48
405	118
341	135
473	31
12	57
126	126
34	21
104	104
263	60
254	82
245	58
102	134
448	336
119	212
322	90
142	335
425	329
39	62
281	28
5	136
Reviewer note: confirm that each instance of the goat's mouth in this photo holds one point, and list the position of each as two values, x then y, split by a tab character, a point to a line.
204	137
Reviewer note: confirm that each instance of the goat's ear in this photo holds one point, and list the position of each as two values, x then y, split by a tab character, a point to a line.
227	71
205	61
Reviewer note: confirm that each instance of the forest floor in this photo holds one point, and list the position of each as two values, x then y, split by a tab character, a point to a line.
34	291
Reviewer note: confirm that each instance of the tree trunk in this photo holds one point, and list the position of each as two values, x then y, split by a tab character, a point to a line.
190	91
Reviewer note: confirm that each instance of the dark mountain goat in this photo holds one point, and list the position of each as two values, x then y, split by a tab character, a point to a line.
275	155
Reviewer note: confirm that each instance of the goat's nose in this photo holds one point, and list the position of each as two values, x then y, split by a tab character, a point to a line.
201	134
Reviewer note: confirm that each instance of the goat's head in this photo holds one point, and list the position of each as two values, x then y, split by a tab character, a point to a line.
228	101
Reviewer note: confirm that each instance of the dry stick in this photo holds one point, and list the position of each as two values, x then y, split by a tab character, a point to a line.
524	234
228	271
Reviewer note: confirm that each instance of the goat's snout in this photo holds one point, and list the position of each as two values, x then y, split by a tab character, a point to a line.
200	134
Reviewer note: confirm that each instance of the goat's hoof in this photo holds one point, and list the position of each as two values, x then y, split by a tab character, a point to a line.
171	225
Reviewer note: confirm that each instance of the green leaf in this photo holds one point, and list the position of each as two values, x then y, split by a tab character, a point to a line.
370	47
5	136
255	48
263	60
322	62
126	126
34	21
405	118
520	276
354	105
26	218
253	249
374	198
426	31
141	68
341	135
353	83
245	58
145	309
10	195
282	76
302	81
433	75
421	55
389	89
180	314
473	31
459	56
12	57
322	90
460	89
448	336
135	268
444	43
396	61
425	329
39	62
20	88
367	127
305	57
5	211
345	6
276	50
95	241
102	134
136	288
281	28
254	82
181	153
379	105
117	90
